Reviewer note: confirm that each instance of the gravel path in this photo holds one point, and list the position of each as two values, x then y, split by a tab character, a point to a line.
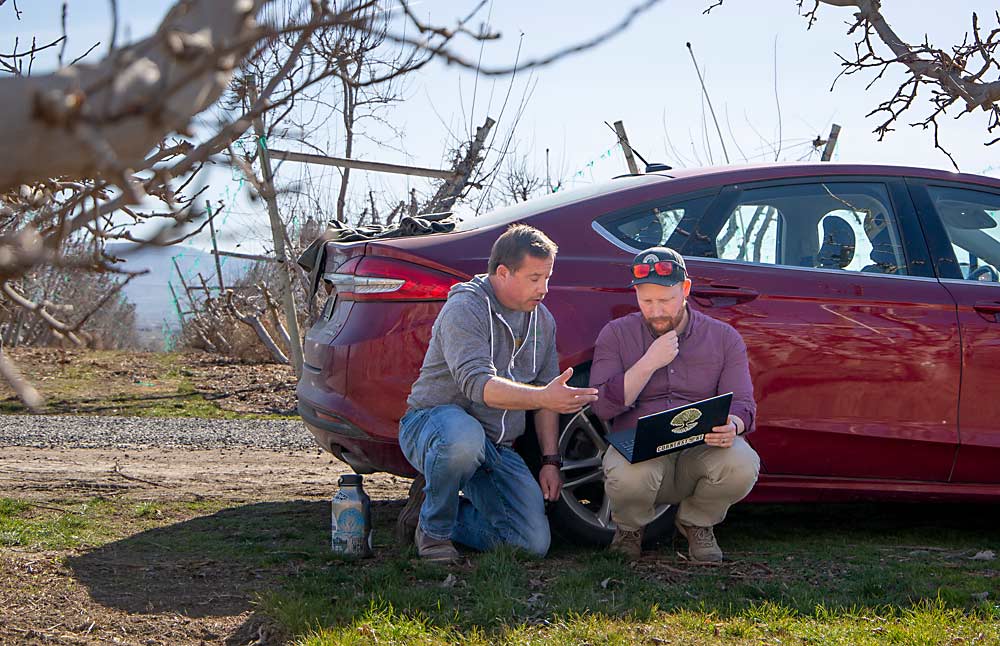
95	432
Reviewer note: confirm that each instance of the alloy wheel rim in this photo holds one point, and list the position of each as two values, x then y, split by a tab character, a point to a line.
582	447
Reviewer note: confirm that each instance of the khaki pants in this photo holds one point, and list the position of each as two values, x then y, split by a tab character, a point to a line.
704	481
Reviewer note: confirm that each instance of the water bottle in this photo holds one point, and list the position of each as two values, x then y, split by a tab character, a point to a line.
351	519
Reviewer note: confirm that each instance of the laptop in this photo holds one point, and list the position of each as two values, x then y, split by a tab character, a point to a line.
672	430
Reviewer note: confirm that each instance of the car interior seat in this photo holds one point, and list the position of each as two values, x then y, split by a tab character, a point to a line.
645	232
837	250
883	254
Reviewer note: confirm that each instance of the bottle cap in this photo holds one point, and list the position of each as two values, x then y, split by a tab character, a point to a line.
350	479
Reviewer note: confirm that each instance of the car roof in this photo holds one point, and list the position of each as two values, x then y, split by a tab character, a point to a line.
542	203
779	170
710	176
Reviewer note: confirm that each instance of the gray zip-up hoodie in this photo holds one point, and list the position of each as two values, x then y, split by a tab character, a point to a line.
472	341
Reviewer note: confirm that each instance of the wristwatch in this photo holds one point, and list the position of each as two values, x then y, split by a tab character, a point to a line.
554	459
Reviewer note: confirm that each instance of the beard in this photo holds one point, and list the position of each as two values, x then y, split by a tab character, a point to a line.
660	325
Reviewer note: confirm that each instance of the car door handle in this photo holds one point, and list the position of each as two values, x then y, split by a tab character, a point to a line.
724	294
989	309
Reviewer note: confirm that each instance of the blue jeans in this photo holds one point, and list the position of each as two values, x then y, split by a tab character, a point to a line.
502	502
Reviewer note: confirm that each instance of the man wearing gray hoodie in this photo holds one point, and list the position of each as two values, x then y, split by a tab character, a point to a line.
492	356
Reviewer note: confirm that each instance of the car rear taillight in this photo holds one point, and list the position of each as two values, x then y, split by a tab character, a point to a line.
375	278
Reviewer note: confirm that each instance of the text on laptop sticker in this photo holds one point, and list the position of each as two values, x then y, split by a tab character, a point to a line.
680	443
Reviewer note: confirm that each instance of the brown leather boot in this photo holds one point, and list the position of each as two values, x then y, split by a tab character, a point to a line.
435	550
406	523
702	546
627	542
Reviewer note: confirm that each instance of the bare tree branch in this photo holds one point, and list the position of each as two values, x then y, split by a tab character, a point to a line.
25	391
253	320
949	76
131	100
57	325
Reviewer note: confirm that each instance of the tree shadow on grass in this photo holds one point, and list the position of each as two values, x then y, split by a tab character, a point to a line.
222	564
210	565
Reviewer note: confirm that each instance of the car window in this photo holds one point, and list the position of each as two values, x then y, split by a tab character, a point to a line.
658	223
751	234
970	219
842	226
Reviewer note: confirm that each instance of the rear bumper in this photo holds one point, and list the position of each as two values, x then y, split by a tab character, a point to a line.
352	445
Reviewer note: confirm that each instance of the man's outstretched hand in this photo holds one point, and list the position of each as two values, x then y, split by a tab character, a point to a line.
559	397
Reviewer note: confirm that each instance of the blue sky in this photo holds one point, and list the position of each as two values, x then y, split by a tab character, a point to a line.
643	76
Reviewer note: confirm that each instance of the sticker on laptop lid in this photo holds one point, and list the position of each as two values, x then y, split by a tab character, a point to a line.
685	420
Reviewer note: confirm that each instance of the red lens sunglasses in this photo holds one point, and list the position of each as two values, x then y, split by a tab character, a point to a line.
662	268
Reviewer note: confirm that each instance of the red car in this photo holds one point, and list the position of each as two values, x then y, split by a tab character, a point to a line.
868	297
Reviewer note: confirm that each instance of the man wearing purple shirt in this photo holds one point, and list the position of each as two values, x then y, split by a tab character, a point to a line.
664	356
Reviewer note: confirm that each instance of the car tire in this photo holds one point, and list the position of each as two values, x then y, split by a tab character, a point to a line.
582	514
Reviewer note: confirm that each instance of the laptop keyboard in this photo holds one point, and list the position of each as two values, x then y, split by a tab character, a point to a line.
628	445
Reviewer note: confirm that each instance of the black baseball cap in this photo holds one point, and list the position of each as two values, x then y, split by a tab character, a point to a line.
658	265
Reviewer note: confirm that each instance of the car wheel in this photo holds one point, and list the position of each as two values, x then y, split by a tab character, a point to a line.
583	514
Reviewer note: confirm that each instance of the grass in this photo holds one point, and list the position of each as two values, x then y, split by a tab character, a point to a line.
89	524
24	525
846	574
119	383
802	575
927	623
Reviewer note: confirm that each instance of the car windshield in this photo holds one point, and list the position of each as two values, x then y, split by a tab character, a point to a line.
522	210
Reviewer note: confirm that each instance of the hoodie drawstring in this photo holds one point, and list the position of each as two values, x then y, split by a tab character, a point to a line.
489	309
534	345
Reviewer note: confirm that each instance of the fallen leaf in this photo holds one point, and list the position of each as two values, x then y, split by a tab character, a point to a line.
985	555
449	581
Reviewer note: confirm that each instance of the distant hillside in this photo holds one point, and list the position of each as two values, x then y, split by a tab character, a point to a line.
155	309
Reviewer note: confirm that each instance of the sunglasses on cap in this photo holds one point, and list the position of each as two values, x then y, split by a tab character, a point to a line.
661	267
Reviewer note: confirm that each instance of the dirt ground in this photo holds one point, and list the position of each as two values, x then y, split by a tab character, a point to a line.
128	587
237	475
132	590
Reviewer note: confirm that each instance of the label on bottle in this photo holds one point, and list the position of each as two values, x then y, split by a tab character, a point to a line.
347	525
